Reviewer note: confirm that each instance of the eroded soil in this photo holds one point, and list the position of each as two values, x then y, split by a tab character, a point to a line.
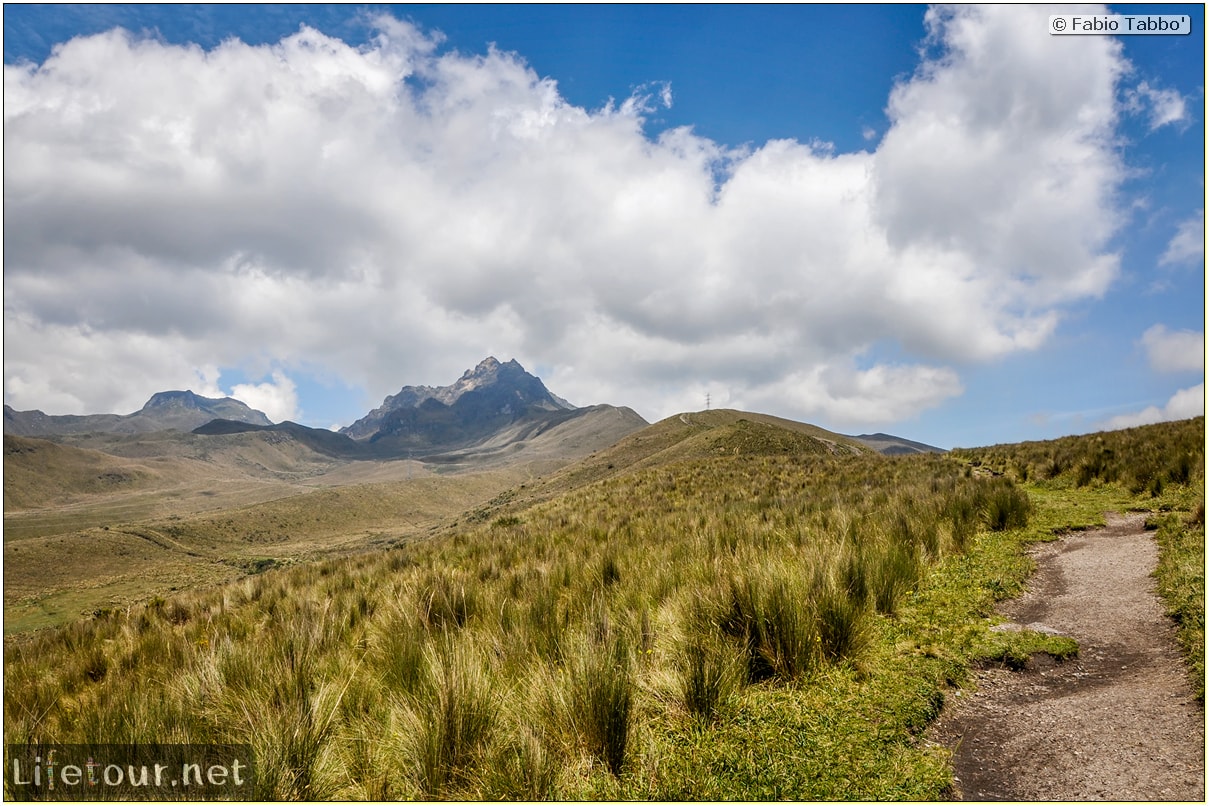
1120	722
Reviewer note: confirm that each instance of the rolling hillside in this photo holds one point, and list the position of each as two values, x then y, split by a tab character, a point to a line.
206	505
688	436
720	606
38	473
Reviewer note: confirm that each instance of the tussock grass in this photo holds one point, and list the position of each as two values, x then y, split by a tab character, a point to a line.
842	622
768	615
1006	507
1143	460
451	719
602	699
769	624
1181	580
708	677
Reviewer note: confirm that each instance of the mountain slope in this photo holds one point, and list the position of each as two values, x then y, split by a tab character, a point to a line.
895	446
553	439
320	440
176	411
485	400
695	436
37	472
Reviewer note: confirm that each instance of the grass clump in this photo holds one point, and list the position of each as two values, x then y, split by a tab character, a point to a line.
842	621
1007	507
893	572
1181	582
707	677
451	719
446	602
522	769
771	619
602	699
1014	648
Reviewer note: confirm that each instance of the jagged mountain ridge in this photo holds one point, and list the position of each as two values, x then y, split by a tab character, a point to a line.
493	414
485	400
490	406
164	411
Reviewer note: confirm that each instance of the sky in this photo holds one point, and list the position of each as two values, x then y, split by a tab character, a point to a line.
939	222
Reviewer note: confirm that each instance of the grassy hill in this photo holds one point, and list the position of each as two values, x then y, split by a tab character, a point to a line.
37	472
720	606
714	434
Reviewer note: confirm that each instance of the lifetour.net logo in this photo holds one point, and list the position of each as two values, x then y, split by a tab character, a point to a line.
128	772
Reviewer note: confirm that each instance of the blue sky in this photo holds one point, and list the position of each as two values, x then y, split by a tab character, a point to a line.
945	224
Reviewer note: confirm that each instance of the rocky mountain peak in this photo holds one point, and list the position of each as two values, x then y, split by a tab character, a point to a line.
486	396
488	366
176	398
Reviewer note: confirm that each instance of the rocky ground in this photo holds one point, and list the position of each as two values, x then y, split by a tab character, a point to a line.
1120	722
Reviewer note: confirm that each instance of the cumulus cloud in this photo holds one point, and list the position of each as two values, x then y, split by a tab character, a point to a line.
393	212
1188	243
1174	351
1163	107
278	398
1170	351
847	396
1183	404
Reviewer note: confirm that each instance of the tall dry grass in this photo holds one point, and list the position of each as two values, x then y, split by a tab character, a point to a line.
544	654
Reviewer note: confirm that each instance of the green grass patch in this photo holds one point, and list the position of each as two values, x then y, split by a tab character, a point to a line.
1181	582
1015	648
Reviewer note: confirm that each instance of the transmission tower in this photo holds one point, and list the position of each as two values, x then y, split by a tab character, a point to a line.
707	401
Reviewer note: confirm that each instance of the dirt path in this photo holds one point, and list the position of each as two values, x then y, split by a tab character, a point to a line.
1120	722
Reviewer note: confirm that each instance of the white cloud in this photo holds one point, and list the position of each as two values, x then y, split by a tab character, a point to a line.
278	399
846	396
393	213
1178	351
1165	107
1188	243
1183	404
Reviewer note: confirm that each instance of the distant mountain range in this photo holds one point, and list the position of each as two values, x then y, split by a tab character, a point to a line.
895	446
486	413
165	411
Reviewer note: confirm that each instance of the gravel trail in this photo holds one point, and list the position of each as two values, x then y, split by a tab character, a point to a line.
1120	722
